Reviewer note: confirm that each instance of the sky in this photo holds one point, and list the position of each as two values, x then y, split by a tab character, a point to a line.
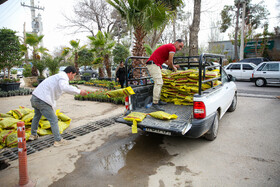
13	16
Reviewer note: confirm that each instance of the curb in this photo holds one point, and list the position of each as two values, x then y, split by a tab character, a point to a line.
257	96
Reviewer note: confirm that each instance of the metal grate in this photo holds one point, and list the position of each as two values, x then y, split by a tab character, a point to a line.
10	154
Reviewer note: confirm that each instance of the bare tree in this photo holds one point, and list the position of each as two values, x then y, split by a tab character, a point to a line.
93	15
194	29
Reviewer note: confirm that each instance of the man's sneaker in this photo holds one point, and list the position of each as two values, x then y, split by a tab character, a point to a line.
157	107
33	137
61	142
162	102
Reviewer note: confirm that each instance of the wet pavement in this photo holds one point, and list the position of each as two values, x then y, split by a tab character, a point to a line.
127	161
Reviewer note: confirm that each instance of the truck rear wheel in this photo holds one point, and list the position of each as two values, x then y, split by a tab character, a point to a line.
233	104
213	131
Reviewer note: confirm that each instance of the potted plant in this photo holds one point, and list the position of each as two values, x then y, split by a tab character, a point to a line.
10	56
86	77
14	73
27	75
41	66
9	84
53	64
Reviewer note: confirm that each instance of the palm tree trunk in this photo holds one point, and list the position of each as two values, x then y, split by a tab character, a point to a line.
101	73
138	50
34	71
107	65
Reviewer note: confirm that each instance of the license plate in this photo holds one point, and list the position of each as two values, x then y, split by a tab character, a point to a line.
157	131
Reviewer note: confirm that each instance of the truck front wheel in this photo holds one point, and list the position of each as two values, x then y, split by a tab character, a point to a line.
213	131
233	104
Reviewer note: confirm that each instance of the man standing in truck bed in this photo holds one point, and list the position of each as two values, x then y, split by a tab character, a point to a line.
163	54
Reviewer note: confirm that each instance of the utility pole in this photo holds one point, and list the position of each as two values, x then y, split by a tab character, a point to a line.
242	31
36	22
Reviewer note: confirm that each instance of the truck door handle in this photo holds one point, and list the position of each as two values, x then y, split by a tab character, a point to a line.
264	72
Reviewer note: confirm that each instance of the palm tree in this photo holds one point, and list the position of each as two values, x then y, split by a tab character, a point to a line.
173	7
33	40
75	48
102	45
142	16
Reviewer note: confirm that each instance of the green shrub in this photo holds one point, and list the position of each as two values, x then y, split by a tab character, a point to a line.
27	70
13	71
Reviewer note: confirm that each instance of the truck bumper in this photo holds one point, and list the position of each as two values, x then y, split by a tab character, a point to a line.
252	79
200	126
193	129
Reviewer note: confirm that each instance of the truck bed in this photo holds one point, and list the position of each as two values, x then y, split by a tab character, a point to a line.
177	126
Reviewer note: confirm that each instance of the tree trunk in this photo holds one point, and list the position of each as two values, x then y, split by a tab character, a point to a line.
236	34
194	29
76	63
101	73
156	37
107	65
34	71
174	29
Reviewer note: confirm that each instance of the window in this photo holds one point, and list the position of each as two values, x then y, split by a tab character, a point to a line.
235	67
247	67
224	77
261	67
229	66
271	67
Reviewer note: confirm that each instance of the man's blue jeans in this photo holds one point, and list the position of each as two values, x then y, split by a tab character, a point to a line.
42	108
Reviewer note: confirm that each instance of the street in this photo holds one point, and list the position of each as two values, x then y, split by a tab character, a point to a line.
245	153
249	88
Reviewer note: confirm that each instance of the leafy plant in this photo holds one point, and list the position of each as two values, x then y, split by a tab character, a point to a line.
52	64
14	71
86	74
40	65
8	80
10	51
120	53
27	71
35	84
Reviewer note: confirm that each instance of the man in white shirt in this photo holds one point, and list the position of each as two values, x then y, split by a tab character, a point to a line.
44	98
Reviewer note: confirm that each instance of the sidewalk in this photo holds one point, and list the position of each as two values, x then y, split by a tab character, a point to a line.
52	163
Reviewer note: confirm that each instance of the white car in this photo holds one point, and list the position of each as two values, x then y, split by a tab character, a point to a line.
241	71
266	73
62	68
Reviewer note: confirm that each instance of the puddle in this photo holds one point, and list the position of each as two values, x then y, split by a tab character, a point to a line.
119	162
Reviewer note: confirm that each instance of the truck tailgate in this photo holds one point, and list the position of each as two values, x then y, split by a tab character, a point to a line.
177	126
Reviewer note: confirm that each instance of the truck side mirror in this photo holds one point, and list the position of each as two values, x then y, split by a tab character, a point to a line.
231	78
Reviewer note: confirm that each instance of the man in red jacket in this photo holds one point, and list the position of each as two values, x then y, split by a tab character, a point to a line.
163	54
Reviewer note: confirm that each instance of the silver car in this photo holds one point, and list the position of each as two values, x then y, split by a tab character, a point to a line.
266	73
241	71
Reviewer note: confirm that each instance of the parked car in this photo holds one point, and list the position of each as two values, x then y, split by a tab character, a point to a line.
256	60
266	73
62	68
19	72
88	69
241	71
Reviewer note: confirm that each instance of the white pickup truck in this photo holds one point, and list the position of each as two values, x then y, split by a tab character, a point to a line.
209	106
